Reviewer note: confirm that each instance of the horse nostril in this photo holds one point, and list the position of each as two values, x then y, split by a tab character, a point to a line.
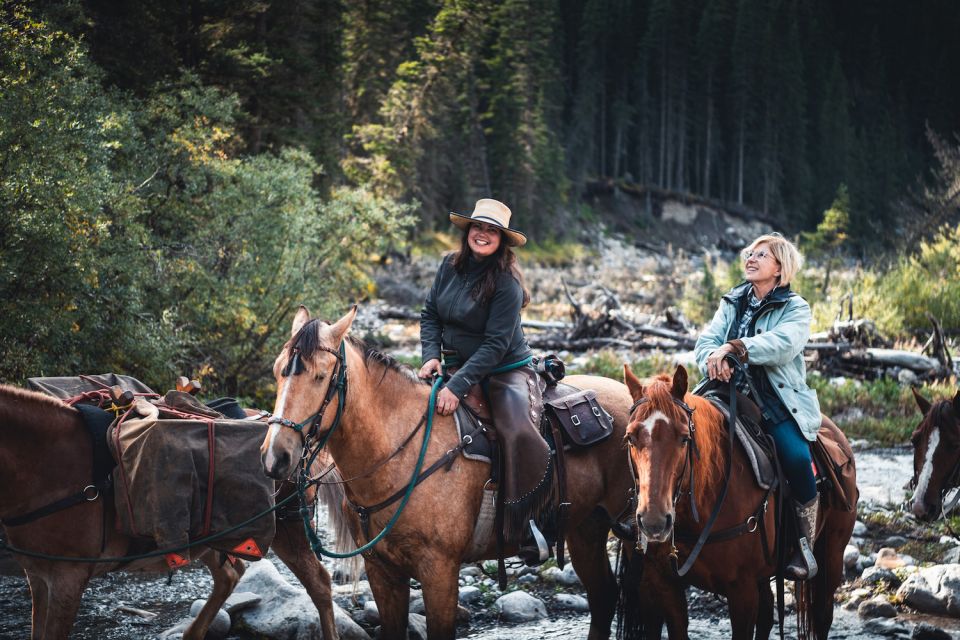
669	522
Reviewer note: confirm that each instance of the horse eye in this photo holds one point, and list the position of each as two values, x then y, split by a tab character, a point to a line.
319	377
684	441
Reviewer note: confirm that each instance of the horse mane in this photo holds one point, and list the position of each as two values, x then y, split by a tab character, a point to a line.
307	343
708	426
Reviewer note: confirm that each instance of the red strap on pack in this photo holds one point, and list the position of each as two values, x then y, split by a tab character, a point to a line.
248	548
175	560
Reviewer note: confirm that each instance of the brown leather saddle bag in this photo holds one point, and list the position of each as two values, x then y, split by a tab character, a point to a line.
583	422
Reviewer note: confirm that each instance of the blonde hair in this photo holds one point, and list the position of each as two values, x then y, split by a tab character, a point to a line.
785	252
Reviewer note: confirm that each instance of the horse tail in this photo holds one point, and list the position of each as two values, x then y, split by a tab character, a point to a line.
331	493
630	619
804	592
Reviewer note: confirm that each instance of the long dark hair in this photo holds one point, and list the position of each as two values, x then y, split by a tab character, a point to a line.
503	261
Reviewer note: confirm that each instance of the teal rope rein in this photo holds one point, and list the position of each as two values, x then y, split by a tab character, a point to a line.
303	482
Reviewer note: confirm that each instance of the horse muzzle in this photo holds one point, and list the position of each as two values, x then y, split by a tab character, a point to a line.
922	510
656	528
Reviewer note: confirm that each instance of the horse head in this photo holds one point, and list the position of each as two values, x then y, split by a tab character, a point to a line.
311	379
658	440
936	455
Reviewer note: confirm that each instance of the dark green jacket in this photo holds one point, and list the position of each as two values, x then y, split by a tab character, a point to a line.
485	337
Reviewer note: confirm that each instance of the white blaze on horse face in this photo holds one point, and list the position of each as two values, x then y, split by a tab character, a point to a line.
927	471
270	459
652	420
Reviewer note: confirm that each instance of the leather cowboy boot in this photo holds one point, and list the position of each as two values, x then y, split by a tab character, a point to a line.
803	566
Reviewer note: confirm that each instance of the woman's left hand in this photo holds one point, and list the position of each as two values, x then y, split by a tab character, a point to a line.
447	403
717	366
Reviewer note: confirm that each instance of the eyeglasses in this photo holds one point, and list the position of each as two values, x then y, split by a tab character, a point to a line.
757	255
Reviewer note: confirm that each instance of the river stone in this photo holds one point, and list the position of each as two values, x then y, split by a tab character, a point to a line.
895	541
857	596
876	608
888	558
527	579
416	603
176	631
240	600
520	606
933	590
875	575
417	627
924	631
472	570
951	556
887	628
220	626
370	614
286	611
568	577
860	529
570	602
850	556
470	595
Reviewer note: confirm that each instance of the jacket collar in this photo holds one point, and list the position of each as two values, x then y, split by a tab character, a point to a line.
742	290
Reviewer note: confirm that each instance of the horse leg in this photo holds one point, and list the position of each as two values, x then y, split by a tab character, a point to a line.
824	584
765	613
56	599
225	578
440	578
290	545
391	591
743	601
587	543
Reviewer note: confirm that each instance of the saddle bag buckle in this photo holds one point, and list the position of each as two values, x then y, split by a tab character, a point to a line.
575	419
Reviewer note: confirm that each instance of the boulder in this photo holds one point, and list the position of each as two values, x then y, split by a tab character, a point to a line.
570	602
888	558
885	627
417	627
876	608
933	589
220	626
876	575
850	556
470	595
240	600
520	606
924	631
286	611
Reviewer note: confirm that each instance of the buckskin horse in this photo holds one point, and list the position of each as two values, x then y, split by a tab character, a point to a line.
674	438
45	456
936	456
382	405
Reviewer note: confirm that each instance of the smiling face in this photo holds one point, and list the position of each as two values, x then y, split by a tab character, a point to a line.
484	239
761	269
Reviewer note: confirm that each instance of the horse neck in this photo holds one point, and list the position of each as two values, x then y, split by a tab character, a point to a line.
381	410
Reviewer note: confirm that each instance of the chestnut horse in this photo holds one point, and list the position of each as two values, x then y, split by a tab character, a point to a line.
432	536
45	455
936	456
737	564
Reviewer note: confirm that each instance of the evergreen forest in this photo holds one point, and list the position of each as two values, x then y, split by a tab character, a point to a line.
226	153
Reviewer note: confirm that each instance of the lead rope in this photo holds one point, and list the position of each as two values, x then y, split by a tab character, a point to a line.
302	484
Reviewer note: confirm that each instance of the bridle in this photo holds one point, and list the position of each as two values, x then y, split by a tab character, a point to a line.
752	523
690	443
338	387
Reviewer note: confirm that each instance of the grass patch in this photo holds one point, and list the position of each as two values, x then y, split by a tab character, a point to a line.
552	253
609	364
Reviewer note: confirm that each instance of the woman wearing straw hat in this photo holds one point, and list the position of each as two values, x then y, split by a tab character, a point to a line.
473	311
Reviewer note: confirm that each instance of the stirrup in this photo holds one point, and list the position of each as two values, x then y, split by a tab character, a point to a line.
531	555
797	570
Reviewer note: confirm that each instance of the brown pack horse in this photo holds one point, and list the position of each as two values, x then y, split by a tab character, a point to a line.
45	455
658	438
936	456
432	537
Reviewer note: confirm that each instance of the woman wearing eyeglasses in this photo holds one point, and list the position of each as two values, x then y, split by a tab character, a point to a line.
765	325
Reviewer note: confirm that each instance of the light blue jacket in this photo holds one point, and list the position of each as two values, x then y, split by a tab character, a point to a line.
782	329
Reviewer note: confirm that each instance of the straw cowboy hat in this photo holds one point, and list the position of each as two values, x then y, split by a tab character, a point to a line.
491	212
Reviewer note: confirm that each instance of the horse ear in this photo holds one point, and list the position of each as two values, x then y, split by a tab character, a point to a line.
341	326
302	317
679	382
633	382
922	402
